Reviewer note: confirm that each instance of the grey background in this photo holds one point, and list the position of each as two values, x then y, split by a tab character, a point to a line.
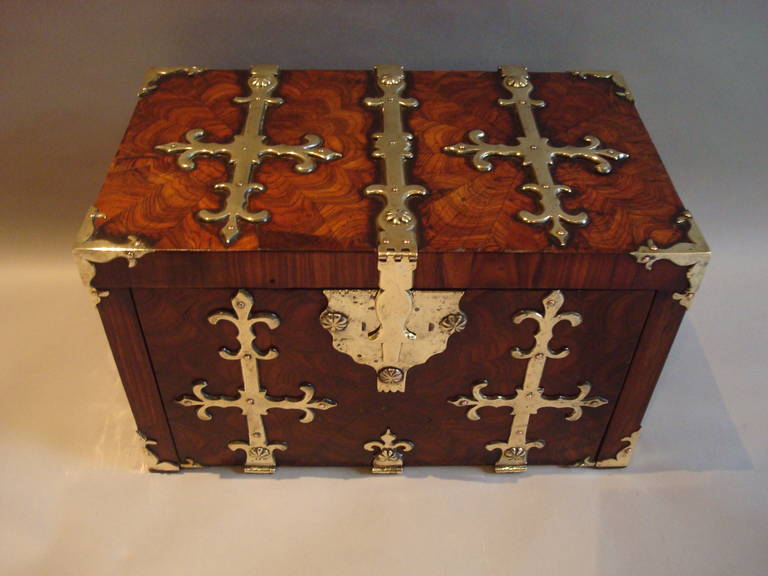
695	500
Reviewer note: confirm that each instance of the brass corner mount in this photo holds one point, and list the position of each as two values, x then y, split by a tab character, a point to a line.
155	75
621	460
622	89
90	250
694	254
151	461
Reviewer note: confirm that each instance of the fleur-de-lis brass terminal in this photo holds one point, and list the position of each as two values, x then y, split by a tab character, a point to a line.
90	250
246	152
694	254
252	399
530	398
389	453
537	153
393	328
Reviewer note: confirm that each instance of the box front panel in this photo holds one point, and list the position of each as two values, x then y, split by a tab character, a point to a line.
184	344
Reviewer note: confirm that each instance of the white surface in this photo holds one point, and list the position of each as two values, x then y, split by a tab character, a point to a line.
694	501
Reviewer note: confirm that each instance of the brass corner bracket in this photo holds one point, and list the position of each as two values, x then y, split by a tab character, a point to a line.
246	152
622	89
393	328
621	460
89	250
152	462
694	254
389	457
154	76
536	153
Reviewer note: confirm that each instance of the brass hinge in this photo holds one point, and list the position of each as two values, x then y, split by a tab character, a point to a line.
393	328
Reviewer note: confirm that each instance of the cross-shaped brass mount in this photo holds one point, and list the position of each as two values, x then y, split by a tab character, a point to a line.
252	399
537	153
246	152
529	399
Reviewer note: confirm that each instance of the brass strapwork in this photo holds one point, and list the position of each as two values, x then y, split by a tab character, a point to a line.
246	152
393	328
694	254
389	453
530	398
252	399
538	154
397	228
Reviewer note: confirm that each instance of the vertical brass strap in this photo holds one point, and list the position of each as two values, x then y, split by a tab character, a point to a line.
393	328
398	247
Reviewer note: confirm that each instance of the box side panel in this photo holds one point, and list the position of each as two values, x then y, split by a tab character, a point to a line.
118	314
659	333
185	350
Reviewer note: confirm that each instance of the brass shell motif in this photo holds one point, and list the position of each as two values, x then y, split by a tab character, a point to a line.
389	457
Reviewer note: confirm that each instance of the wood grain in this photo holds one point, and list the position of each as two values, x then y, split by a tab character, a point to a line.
184	348
118	314
146	193
322	236
658	334
436	271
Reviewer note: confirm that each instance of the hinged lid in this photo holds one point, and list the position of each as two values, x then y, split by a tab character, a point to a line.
257	178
